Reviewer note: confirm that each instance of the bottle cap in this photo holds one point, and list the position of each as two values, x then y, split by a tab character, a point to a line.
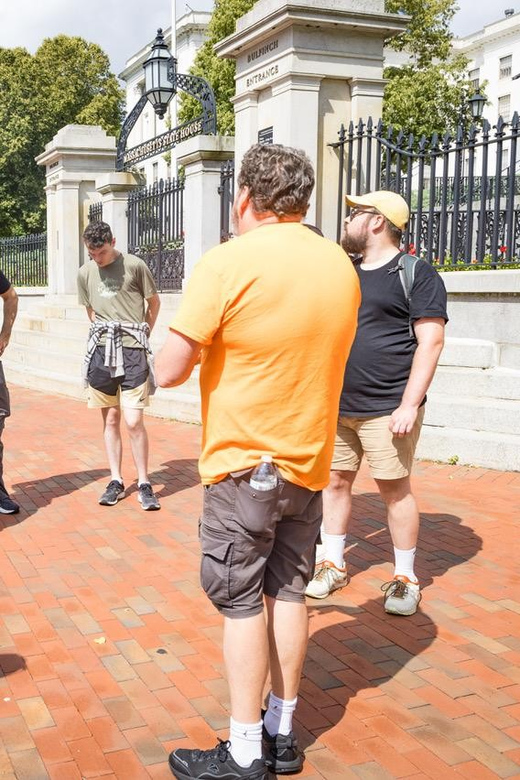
267	458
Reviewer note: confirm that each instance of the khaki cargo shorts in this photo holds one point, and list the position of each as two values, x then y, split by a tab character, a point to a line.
388	456
255	543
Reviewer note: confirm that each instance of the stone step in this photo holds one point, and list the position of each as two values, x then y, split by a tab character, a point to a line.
64	372
471	353
474	448
455	382
492	415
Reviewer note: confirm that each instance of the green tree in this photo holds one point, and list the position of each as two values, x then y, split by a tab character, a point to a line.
218	72
426	94
67	81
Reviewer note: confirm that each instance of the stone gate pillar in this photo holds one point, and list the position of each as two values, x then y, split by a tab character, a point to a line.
202	157
304	69
74	160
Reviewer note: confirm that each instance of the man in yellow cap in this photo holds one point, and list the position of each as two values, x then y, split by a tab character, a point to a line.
391	364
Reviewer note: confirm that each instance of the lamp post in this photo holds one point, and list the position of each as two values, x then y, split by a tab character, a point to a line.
476	104
159	75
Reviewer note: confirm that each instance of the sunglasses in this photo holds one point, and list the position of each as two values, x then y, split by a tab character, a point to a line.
355	211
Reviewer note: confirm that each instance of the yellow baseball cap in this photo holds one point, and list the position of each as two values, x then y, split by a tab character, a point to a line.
390	204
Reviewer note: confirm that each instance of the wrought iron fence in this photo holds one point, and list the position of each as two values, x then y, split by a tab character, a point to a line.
23	259
156	231
95	212
226	190
469	214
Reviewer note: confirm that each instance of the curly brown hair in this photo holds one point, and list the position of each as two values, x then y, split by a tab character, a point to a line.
280	179
96	234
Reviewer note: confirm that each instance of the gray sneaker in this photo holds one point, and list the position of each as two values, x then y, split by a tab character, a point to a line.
402	596
327	579
147	497
114	492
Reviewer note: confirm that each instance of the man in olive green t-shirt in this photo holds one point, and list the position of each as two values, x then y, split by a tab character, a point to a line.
122	304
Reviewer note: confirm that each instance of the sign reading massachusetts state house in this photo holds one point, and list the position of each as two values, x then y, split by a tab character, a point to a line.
162	143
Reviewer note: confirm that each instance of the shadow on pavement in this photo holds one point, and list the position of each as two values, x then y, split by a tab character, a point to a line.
444	541
37	493
11	663
176	475
364	647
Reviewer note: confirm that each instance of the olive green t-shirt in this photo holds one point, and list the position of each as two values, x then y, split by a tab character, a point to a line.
117	291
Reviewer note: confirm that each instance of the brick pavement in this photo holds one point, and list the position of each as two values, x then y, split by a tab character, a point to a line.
111	655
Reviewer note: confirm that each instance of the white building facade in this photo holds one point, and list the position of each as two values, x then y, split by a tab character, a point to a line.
494	62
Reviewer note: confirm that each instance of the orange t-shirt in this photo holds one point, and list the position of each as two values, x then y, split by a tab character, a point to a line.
276	311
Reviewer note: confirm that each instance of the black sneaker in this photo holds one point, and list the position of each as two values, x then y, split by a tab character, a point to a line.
282	754
8	506
147	497
115	490
215	763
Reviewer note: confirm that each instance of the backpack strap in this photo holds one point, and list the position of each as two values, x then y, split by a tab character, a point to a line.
406	268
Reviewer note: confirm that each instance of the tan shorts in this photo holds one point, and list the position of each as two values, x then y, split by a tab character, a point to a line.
388	456
135	398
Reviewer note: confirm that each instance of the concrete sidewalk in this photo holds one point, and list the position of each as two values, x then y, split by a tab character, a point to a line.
111	654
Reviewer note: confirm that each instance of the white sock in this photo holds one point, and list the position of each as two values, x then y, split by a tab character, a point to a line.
278	718
404	561
334	548
246	741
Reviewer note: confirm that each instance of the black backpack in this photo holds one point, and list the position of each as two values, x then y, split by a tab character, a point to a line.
406	269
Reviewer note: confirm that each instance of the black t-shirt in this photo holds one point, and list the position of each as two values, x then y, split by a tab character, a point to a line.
381	356
4	283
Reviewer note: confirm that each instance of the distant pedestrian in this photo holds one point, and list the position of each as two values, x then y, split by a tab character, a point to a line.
391	364
273	313
122	304
10	303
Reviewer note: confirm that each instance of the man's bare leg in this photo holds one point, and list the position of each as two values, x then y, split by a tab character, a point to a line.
134	419
331	573
403	522
112	437
288	632
246	658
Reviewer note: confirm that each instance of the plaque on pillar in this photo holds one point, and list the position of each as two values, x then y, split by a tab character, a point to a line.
265	136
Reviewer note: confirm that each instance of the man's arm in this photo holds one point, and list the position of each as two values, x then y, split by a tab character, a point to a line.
175	361
91	314
10	308
429	333
152	311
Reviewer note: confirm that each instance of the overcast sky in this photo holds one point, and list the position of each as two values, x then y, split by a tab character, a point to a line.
122	27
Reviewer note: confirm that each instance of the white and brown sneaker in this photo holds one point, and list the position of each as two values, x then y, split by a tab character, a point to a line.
402	596
326	580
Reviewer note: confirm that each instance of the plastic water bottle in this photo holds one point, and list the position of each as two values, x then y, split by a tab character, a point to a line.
264	476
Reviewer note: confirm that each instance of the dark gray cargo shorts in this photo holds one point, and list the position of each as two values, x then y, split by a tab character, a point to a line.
257	543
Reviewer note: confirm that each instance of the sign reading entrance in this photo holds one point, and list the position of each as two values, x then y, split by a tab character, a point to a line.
265	136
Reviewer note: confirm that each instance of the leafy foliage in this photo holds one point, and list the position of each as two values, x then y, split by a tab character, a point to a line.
218	72
67	81
429	93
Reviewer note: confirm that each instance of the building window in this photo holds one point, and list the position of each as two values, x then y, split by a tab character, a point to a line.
506	64
504	107
155	172
474	78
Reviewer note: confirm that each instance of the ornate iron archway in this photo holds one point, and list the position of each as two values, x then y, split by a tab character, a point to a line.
163	66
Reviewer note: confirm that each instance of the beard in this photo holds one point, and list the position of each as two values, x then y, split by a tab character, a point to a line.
354	245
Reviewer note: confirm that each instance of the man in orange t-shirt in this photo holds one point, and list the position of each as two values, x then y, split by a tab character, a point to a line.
272	315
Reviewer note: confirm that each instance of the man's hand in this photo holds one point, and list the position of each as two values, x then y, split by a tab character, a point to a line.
402	420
